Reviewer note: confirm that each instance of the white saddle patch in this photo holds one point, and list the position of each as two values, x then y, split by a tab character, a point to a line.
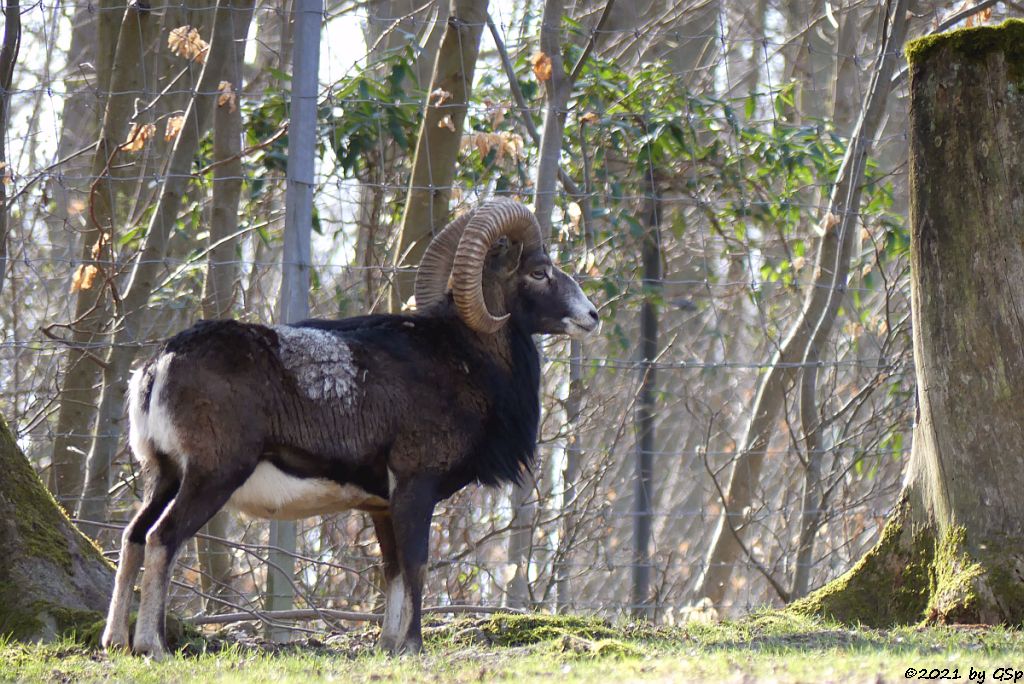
321	362
272	493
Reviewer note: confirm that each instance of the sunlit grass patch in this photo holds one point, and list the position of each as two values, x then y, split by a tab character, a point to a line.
535	647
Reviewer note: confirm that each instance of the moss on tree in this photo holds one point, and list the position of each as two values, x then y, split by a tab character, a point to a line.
888	586
974	44
53	579
916	575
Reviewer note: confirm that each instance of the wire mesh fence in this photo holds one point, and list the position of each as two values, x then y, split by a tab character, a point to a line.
732	119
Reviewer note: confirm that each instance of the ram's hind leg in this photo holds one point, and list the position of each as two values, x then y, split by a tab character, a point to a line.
201	495
161	487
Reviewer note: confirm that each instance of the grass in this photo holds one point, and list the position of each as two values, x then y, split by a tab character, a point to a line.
763	647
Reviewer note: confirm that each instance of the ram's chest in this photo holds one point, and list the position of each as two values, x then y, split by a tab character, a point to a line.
271	493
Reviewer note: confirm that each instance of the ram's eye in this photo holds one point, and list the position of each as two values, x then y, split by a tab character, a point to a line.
539	275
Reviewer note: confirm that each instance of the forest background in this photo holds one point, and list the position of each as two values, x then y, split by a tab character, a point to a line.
728	180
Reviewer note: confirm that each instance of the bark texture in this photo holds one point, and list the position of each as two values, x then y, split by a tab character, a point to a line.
53	579
952	551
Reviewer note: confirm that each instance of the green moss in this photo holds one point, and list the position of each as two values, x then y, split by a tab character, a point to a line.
37	530
38	516
974	44
954	575
914	576
580	648
45	620
889	586
520	630
75	624
20	624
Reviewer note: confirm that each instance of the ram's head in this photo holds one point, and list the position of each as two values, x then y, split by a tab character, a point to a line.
493	262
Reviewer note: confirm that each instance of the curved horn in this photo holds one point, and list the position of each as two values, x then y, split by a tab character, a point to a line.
490	222
436	265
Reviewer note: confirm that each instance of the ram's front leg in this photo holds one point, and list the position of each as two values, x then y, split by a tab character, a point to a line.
392	628
412	507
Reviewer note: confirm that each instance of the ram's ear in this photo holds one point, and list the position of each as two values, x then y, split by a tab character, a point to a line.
508	259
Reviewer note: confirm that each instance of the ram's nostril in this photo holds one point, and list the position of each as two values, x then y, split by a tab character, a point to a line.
593	314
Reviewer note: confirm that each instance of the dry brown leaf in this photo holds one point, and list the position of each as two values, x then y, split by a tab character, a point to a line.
174	125
101	242
83	277
447	122
186	42
483	145
512	145
827	224
587	264
227	96
137	137
506	145
5	174
589	118
979	18
575	214
498	116
541	66
798	263
439	96
76	207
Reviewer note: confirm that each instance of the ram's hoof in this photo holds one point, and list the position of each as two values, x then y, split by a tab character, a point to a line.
387	645
115	639
393	647
154	650
412	646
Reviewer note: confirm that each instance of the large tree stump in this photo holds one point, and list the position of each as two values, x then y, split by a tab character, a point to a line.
953	550
52	577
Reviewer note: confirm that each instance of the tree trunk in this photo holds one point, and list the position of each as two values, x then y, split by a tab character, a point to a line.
8	58
80	119
426	206
52	578
951	551
644	420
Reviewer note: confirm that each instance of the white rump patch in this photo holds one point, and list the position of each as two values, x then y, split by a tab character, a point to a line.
272	493
153	428
321	362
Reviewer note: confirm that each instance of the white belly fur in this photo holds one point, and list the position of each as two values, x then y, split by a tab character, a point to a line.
272	493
